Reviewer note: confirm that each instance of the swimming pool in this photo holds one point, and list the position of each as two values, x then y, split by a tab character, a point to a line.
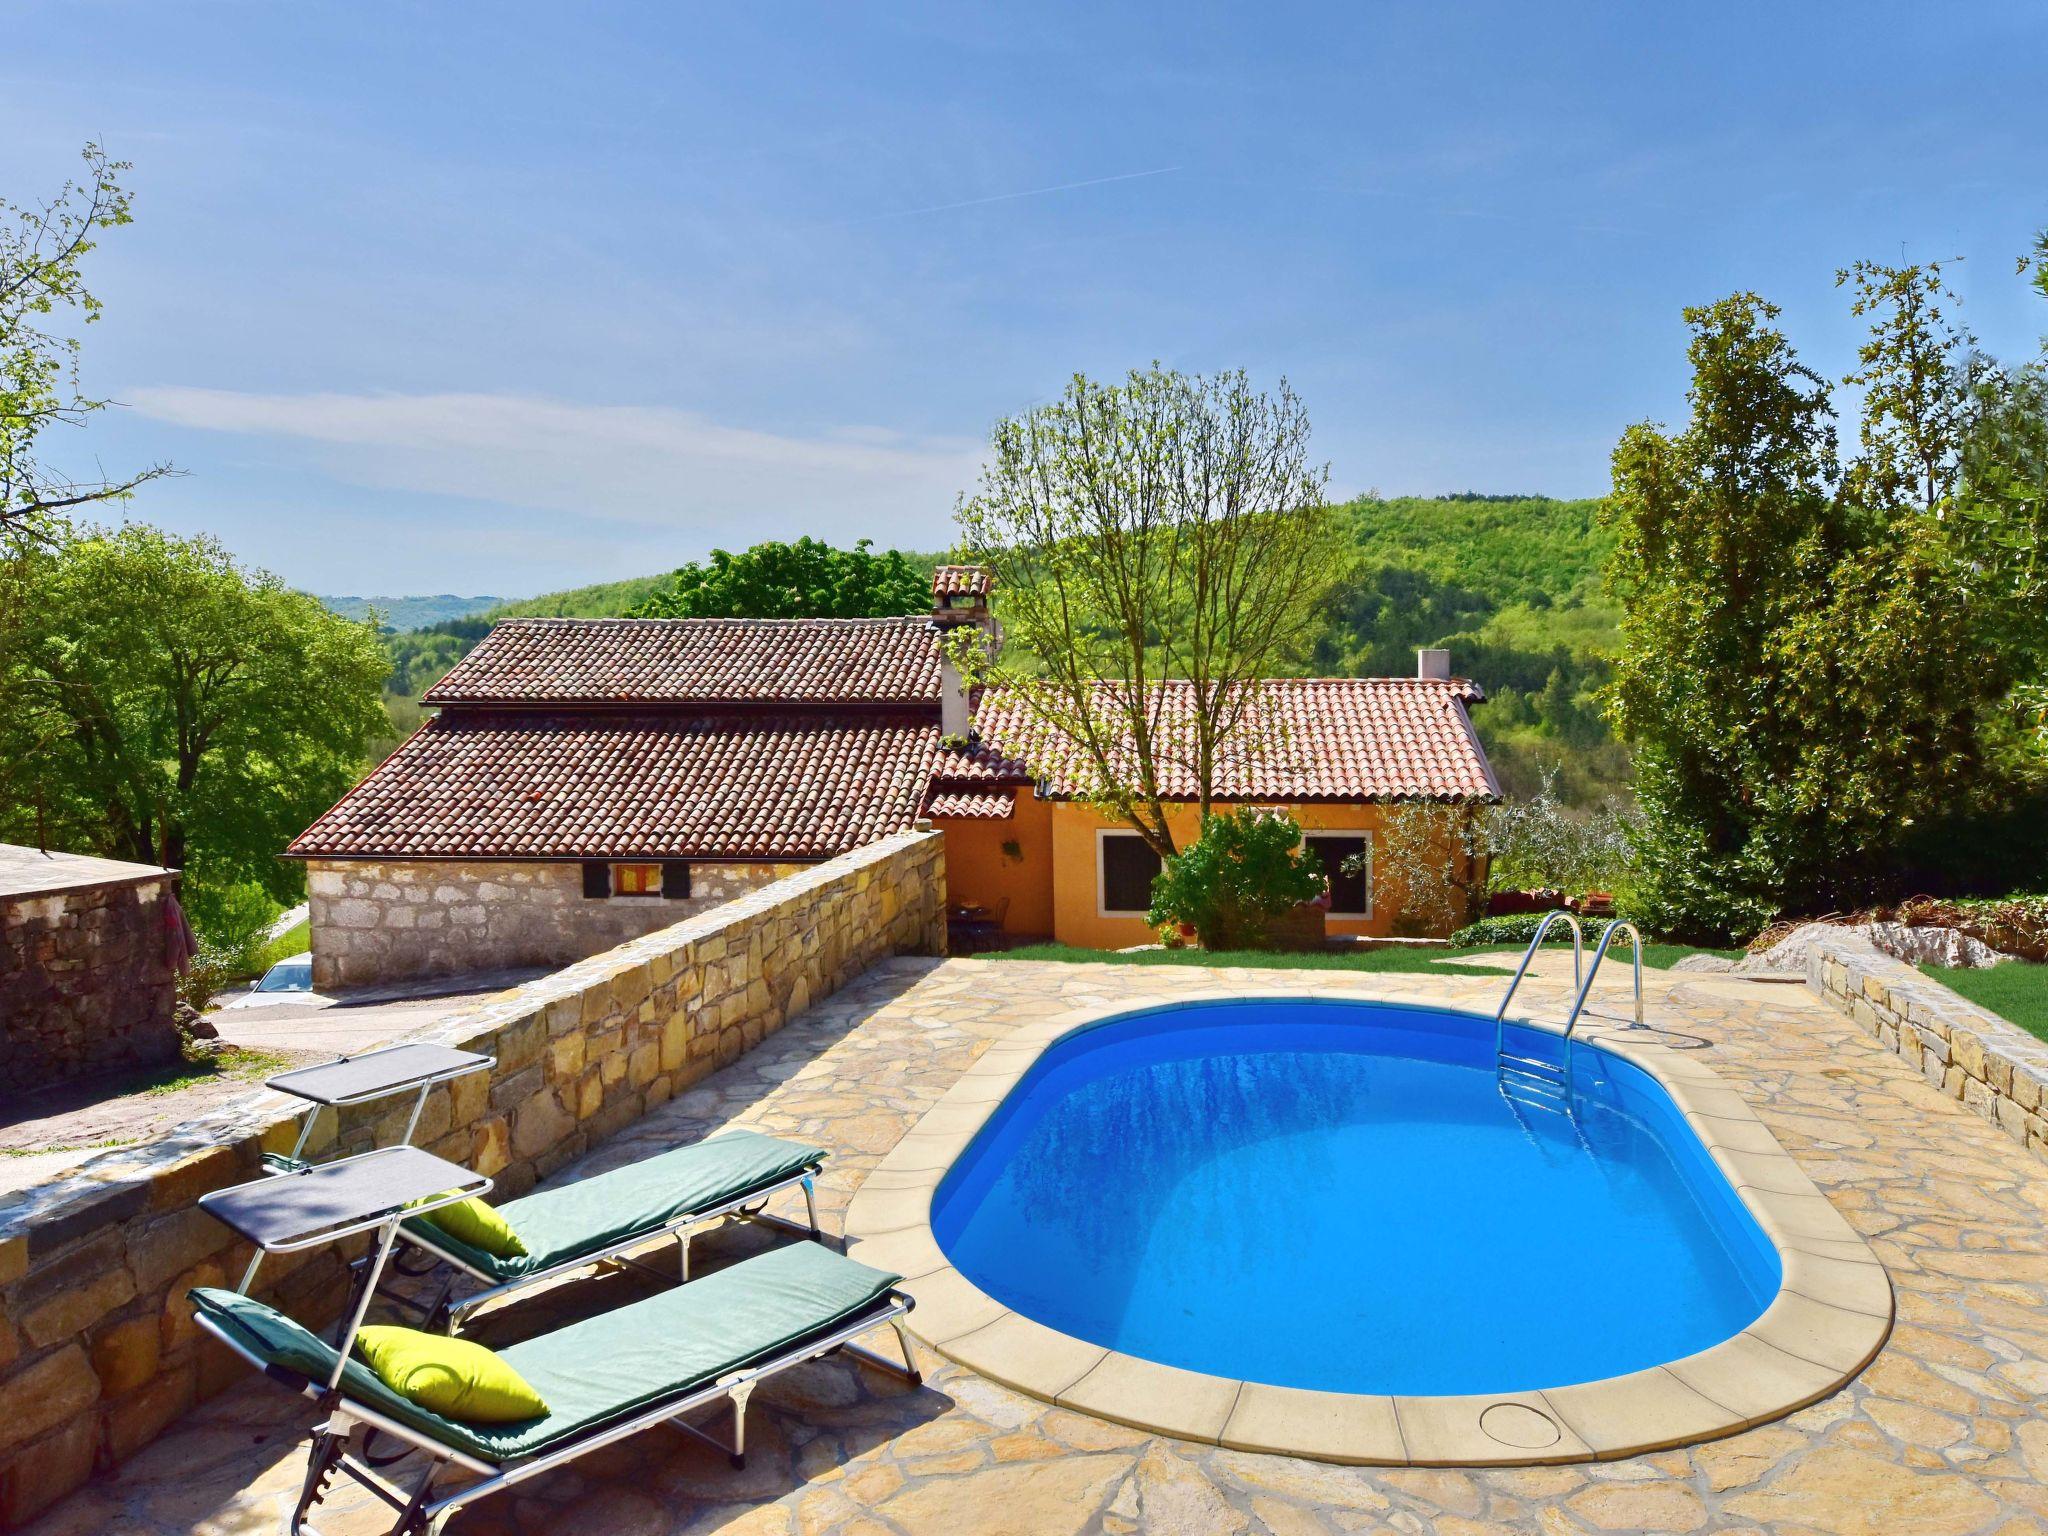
1337	1196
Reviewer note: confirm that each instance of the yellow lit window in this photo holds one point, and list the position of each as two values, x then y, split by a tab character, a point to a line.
636	879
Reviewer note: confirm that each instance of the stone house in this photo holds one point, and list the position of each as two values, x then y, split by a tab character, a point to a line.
586	781
86	977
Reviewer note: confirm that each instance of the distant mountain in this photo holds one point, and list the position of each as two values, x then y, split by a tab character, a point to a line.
410	612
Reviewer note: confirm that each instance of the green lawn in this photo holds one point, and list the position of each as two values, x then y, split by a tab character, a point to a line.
2016	991
1412	961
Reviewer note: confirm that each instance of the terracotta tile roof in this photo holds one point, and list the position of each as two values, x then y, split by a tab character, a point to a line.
961	581
680	661
1331	739
489	784
971	804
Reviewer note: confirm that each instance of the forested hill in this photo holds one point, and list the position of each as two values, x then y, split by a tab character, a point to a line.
1511	584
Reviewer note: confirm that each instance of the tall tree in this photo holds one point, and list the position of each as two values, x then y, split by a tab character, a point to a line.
2001	521
1916	370
42	249
804	580
1167	527
159	703
1800	672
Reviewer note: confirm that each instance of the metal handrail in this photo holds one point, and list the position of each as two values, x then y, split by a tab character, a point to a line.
1578	958
1586	987
1599	953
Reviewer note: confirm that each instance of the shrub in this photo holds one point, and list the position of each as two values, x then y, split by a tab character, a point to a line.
1246	869
232	924
1517	930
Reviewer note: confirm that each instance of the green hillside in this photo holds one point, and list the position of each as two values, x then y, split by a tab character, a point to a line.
1510	584
606	600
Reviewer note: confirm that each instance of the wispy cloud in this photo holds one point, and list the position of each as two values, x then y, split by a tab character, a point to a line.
650	466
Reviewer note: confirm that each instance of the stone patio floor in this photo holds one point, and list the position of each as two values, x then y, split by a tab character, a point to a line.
1940	1435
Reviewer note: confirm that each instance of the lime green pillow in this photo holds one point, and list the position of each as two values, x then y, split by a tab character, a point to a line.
452	1377
471	1221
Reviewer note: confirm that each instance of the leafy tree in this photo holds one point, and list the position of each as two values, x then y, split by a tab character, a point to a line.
804	580
2001	515
1915	370
1167	527
1429	861
1539	842
42	248
159	703
1247	868
1798	673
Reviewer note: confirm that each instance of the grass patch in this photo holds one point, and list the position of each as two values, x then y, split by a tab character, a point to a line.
295	940
2016	991
1398	960
231	1064
89	1146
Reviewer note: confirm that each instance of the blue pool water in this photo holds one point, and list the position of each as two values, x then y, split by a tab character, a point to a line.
1338	1196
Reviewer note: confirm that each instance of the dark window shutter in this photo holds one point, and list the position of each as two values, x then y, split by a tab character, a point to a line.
1128	868
597	881
675	881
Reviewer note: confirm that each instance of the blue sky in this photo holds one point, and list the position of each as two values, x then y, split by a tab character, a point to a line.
502	298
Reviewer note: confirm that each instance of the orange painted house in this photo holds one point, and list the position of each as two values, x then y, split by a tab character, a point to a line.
1023	843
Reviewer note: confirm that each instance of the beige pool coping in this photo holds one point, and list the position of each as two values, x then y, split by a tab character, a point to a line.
1832	1313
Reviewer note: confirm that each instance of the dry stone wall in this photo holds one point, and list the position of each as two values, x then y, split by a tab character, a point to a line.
383	920
1996	1068
98	1351
85	983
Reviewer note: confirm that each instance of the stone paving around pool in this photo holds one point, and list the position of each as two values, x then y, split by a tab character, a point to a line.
1941	1434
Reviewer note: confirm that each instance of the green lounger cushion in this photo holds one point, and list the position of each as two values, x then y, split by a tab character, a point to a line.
605	1367
560	1226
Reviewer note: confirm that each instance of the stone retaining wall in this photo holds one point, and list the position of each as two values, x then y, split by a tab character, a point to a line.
98	1352
85	983
1996	1068
378	920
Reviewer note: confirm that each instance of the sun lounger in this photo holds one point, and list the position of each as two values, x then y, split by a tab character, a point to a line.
603	1379
607	1214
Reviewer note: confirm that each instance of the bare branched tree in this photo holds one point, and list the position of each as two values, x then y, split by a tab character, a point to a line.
1159	546
41	249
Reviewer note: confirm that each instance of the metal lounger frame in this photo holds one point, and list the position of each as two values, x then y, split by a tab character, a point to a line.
681	1227
420	1512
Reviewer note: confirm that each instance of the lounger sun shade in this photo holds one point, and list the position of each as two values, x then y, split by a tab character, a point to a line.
604	1216
375	1074
603	1379
313	1205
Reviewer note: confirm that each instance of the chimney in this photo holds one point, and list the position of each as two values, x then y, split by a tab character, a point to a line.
955	718
1433	666
959	597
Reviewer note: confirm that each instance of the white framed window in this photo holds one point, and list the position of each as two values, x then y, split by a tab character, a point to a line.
1125	866
1350	894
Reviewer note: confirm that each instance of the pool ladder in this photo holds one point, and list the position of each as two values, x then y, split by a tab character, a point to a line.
1532	1080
